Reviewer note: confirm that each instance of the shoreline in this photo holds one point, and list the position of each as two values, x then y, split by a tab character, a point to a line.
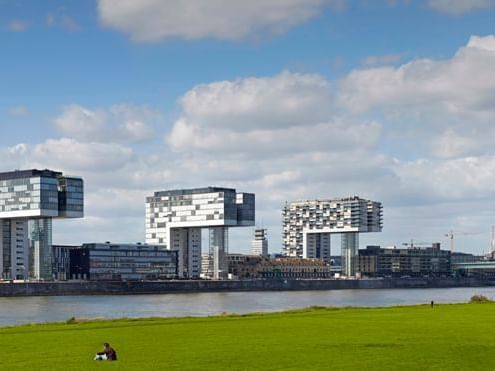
26	289
308	309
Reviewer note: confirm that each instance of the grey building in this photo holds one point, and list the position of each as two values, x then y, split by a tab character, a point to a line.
115	262
29	200
307	227
375	261
174	219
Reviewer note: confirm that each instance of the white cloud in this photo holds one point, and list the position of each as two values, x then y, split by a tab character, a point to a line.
285	100
284	114
462	84
67	153
458	7
18	25
121	123
155	20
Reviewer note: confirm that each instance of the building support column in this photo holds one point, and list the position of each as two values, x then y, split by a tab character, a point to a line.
350	246
219	240
40	234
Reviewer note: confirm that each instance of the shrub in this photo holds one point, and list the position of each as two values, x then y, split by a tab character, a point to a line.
479	299
71	321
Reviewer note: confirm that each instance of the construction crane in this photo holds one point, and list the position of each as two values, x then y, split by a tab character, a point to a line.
451	236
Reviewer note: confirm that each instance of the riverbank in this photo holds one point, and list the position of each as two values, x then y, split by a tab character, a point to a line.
414	337
195	286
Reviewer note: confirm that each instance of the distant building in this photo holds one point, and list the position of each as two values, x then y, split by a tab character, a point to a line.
107	261
375	261
308	226
61	261
29	200
174	219
259	245
461	257
246	267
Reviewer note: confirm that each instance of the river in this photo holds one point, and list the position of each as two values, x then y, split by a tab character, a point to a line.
59	308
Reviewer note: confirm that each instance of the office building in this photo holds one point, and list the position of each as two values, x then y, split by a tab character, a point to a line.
174	219
29	200
61	261
375	261
116	262
307	227
259	245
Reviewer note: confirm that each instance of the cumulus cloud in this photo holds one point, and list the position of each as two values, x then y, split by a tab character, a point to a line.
458	7
464	83
286	113
285	100
89	156
155	20
120	123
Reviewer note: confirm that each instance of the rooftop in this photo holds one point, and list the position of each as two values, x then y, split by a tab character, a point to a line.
192	191
17	174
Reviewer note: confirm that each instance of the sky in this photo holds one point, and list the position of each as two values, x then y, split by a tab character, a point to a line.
290	99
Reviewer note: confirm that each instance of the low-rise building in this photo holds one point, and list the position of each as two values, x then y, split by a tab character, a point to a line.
106	261
245	267
375	261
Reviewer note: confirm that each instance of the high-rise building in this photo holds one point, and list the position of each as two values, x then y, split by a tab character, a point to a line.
174	219
307	227
259	245
29	200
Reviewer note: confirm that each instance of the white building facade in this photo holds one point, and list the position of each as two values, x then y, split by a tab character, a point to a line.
259	245
307	227
29	200
175	218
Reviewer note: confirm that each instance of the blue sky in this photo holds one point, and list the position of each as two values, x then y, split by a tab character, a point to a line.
392	100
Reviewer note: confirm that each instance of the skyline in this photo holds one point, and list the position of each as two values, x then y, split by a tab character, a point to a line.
388	100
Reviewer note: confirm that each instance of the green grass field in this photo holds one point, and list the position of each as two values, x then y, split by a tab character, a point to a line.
458	336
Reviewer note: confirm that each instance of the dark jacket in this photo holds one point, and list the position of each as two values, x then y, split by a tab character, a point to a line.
110	353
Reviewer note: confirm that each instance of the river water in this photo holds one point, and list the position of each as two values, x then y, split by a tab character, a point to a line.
59	308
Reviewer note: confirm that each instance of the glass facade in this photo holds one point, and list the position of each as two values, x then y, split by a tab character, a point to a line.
34	197
122	262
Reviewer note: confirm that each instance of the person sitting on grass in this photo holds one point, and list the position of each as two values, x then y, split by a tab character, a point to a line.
108	354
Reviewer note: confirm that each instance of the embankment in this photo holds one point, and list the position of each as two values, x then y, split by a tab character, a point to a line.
184	286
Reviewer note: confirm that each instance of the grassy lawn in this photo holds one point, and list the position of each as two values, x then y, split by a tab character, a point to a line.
460	336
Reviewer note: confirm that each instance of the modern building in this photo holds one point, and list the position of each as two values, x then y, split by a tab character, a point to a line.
29	200
307	227
116	262
248	267
259	245
174	219
375	261
61	261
